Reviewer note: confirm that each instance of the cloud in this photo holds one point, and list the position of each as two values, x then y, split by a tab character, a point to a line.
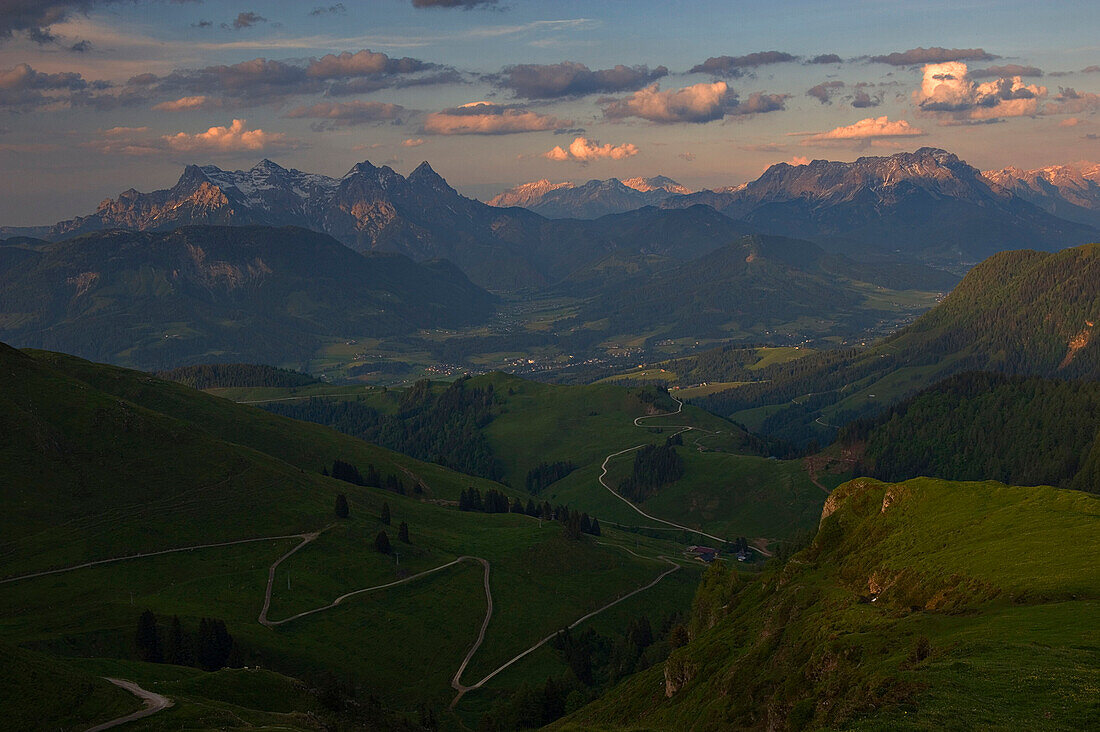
583	150
569	79
33	18
362	63
688	156
1070	101
23	87
865	130
1006	70
1069	122
81	46
826	58
946	91
245	20
862	100
734	66
202	23
236	138
349	113
464	4
798	160
413	143
1090	70
264	81
337	9
825	91
934	55
487	118
185	103
699	103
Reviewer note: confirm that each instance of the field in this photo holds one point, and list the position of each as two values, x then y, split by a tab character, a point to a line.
162	473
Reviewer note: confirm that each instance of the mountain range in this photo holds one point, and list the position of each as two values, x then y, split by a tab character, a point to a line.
199	293
591	200
922	206
1069	192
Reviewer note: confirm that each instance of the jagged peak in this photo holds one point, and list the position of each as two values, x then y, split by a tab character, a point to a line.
268	165
360	169
424	173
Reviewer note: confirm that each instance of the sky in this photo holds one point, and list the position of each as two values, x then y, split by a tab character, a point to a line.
99	96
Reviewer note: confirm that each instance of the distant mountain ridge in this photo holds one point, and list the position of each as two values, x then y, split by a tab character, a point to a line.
213	293
926	205
1067	191
590	200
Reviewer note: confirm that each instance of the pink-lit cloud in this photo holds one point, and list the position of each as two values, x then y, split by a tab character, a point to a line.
349	113
870	129
413	142
235	138
487	118
583	150
186	103
947	92
698	104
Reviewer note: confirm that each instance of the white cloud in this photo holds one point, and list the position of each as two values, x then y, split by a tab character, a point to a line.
583	150
696	103
235	138
947	92
184	103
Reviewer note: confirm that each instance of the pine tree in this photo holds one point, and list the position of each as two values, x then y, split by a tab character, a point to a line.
176	645
342	506
382	543
385	514
595	527
403	532
147	640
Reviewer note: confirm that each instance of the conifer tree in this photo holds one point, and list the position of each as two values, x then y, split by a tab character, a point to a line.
385	514
382	543
403	532
342	506
147	640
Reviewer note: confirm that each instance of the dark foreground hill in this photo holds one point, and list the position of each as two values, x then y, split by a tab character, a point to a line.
209	293
1024	313
149	495
918	605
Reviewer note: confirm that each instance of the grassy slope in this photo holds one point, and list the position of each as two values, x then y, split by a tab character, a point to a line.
1001	581
160	471
724	490
40	692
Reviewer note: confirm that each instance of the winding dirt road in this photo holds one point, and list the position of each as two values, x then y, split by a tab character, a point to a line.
682	428
153	703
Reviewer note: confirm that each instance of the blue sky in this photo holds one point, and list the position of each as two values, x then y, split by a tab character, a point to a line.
97	96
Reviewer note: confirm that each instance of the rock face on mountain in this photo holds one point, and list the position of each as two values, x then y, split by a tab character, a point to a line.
369	209
1066	191
591	200
215	293
926	205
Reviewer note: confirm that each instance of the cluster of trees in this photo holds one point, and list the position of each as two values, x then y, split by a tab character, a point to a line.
574	522
382	543
373	479
210	648
654	466
982	426
739	545
441	427
544	474
596	662
212	375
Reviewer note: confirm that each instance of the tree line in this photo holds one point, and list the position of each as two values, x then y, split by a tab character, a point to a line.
440	427
212	375
654	466
575	523
544	474
209	648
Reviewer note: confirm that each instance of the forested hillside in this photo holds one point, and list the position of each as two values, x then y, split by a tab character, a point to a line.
976	426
